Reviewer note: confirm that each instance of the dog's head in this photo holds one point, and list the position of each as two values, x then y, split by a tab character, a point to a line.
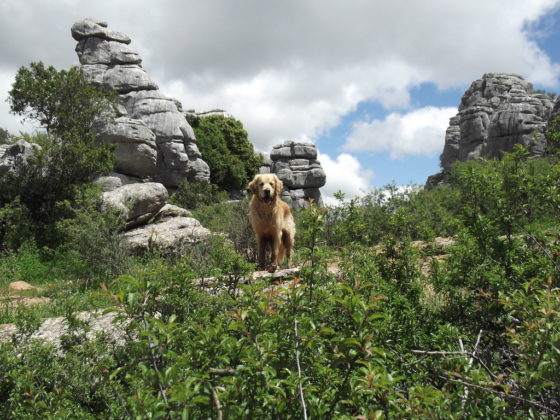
266	187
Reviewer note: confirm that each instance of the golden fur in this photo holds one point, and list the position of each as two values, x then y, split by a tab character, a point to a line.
272	220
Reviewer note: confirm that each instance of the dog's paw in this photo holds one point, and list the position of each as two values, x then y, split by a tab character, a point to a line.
272	268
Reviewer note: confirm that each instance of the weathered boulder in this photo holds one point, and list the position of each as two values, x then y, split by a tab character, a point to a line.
169	235
297	166
96	28
135	146
14	155
169	154
115	180
137	203
169	211
267	163
94	50
497	112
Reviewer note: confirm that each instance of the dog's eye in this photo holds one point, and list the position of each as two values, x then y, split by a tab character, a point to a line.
261	184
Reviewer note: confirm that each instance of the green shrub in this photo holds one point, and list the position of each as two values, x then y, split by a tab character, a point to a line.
67	106
191	195
362	341
224	145
92	248
5	136
232	219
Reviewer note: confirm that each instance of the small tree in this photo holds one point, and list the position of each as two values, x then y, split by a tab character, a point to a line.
225	146
67	106
4	136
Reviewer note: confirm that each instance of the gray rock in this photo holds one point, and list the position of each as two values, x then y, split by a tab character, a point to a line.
297	167
122	78
114	181
126	78
496	112
169	235
169	211
160	113
12	156
94	50
51	330
95	28
292	150
137	203
135	146
265	168
299	198
107	61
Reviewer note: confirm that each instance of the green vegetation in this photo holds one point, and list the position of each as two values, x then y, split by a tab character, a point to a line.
192	195
553	135
373	325
226	148
384	319
5	136
36	197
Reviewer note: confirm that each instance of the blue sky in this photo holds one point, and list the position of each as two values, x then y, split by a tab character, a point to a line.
545	32
386	170
372	83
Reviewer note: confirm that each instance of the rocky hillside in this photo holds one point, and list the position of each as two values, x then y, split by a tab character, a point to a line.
496	112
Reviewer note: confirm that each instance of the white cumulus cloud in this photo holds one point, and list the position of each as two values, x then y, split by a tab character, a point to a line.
419	132
346	174
293	69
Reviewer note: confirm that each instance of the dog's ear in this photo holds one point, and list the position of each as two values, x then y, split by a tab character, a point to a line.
253	185
279	185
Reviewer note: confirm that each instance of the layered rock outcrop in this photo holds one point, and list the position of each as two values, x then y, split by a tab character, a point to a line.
150	222
152	137
297	166
496	112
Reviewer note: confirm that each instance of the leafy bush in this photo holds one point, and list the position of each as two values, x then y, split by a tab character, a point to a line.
92	248
361	331
411	213
232	219
5	136
67	106
191	195
225	147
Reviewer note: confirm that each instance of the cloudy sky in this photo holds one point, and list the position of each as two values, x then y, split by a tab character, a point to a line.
372	82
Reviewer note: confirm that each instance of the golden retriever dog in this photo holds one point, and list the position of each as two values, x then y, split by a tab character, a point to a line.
272	220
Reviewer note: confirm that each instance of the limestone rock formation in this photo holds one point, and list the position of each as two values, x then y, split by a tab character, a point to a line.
14	155
297	166
137	203
167	234
496	112
152	136
150	222
267	163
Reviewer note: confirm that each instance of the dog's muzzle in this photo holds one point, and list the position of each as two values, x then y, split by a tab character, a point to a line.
267	196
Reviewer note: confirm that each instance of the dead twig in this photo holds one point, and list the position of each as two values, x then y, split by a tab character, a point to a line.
300	387
463	353
502	394
217	404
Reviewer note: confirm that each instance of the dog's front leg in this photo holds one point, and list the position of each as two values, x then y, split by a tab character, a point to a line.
261	251
274	253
